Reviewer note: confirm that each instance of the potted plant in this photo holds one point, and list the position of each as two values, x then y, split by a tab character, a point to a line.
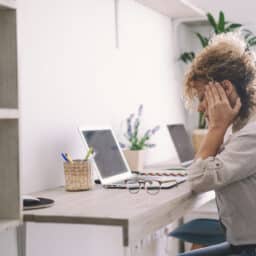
218	26
137	142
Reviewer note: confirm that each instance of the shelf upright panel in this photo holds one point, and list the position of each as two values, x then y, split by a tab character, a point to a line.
10	206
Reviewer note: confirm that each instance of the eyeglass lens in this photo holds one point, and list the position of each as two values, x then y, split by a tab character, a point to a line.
152	187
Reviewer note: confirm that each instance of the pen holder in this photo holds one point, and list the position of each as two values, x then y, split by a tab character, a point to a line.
78	175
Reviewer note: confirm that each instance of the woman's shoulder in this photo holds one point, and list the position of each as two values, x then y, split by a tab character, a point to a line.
248	129
243	140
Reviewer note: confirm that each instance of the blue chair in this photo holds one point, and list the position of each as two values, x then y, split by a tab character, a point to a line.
223	249
205	232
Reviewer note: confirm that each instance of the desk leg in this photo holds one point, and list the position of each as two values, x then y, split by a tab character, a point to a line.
127	251
181	243
21	239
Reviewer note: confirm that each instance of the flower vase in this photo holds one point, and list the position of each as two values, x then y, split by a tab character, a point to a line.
135	159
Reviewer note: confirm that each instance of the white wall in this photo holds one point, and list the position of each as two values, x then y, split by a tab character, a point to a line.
72	74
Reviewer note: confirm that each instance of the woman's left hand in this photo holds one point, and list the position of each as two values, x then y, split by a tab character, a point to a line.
220	113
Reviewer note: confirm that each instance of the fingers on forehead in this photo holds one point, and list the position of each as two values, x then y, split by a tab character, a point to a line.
209	91
208	96
215	90
222	92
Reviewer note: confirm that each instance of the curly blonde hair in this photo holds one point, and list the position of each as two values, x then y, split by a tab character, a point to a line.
225	58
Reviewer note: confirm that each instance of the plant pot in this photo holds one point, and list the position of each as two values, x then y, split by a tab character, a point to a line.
198	136
135	159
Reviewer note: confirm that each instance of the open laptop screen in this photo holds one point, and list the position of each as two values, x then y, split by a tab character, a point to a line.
108	158
181	142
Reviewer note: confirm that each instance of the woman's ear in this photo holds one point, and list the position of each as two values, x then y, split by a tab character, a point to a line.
227	86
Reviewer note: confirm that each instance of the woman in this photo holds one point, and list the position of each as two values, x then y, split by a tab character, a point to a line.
222	77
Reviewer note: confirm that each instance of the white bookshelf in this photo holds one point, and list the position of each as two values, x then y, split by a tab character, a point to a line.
6	224
7	113
10	207
173	8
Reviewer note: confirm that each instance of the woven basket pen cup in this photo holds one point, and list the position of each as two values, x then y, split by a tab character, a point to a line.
78	175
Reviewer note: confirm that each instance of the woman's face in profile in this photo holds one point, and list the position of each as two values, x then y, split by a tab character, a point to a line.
200	90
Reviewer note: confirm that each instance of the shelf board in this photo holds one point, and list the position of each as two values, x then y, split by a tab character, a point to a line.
8	4
6	224
9	113
173	8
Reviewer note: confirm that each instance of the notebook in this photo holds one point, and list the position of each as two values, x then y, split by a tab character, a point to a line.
109	161
182	143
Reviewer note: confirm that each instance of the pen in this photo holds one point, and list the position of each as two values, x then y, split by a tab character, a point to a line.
67	155
89	152
64	157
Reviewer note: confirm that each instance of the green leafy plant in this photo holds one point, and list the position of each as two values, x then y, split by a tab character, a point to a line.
218	26
135	140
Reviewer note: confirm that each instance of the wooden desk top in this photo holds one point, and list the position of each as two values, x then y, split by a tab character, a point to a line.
138	215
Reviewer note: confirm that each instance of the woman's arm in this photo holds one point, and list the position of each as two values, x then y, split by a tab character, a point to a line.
211	143
236	162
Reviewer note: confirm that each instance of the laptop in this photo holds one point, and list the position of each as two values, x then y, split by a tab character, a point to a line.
109	161
182	143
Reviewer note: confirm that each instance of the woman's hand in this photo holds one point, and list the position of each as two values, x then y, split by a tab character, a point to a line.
219	111
220	115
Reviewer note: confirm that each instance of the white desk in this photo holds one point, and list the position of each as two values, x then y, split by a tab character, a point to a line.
137	215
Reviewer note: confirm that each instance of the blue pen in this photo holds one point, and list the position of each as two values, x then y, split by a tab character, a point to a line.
64	157
68	157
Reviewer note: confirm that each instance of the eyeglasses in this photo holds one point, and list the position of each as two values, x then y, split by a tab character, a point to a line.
152	187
